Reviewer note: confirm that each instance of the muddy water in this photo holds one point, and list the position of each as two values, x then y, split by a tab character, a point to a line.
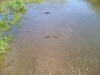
59	37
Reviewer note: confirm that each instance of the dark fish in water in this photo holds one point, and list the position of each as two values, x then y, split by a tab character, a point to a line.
47	12
51	37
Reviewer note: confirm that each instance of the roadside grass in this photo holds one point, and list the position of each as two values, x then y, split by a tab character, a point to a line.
8	8
16	8
4	44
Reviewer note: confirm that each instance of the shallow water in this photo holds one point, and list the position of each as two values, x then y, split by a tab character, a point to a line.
58	37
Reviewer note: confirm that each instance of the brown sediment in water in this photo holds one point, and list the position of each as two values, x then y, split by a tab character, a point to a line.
55	44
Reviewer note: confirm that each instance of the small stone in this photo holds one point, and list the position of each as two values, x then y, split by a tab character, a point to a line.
51	37
47	36
47	12
86	69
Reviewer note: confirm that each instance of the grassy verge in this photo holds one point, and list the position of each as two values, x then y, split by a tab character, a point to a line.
7	9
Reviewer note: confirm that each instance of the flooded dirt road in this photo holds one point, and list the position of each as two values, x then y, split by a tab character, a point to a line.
58	37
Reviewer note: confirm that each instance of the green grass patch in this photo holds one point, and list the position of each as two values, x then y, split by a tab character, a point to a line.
15	7
4	44
4	26
11	7
20	23
16	19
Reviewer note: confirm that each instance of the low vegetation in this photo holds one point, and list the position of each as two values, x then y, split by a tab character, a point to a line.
11	11
4	44
16	6
12	8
